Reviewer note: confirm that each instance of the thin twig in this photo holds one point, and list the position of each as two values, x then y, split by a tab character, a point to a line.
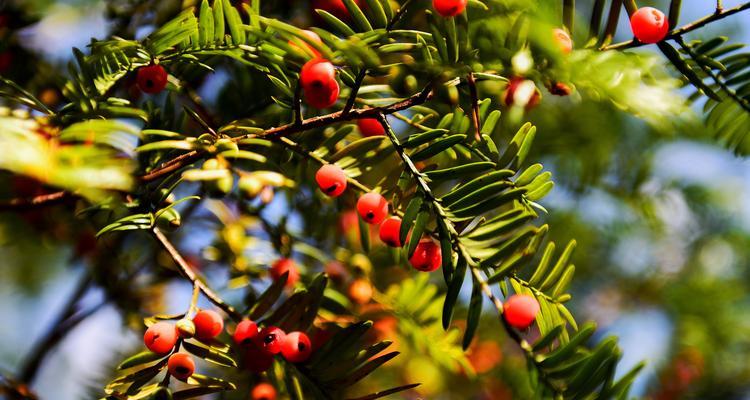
355	90
307	124
188	272
699	23
49	199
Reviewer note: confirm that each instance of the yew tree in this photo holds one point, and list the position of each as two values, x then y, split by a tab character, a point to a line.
338	182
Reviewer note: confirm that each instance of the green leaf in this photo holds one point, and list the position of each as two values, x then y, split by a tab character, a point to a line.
269	297
336	23
461	170
475	311
209	354
562	353
437	147
139	359
358	17
409	216
453	289
364	234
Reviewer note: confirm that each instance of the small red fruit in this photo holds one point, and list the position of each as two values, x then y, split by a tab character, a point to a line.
390	231
370	127
331	180
263	391
152	78
563	40
160	337
649	25
372	207
257	360
181	366
427	256
208	324
270	339
296	347
283	265
313	38
360	291
245	332
318	81
520	310
449	8
522	92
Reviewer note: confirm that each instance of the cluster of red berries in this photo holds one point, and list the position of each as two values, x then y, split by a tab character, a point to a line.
373	209
162	337
261	345
649	25
520	310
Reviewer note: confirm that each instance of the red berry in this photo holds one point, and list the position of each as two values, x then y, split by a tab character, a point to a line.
181	366
427	256
296	347
649	25
208	324
270	339
160	337
370	127
563	40
256	359
522	92
360	291
313	38
318	81
245	332
449	8
152	78
372	207
331	180
520	310
390	231
283	265
263	391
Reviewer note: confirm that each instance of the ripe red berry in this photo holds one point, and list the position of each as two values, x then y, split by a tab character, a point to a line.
283	265
270	339
181	366
370	127
263	391
390	231
160	337
318	81
449	8
372	207
245	332
522	92
649	25
296	347
331	180
563	40
313	38
427	256
208	324
520	310
256	359
152	78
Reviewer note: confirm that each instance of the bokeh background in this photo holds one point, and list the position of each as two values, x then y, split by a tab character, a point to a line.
661	215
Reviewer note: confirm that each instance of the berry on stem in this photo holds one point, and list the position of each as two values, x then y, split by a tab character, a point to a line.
449	8
208	324
283	265
520	310
151	78
390	231
319	85
427	256
263	391
370	127
331	179
372	207
160	337
296	347
181	366
649	25
245	332
270	339
563	40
